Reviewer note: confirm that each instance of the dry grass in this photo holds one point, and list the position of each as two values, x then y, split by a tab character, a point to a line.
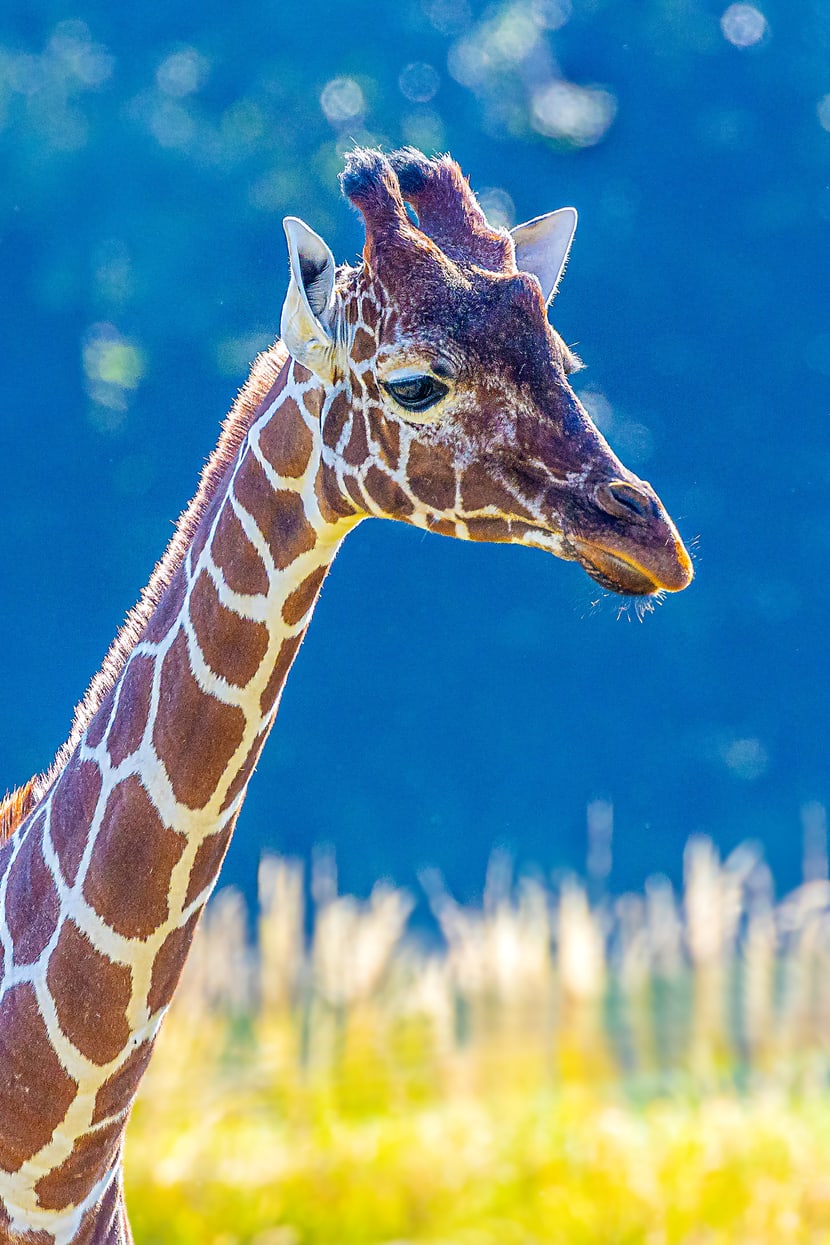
651	1069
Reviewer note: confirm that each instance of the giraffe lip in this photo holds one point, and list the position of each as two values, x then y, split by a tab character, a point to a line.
622	573
615	571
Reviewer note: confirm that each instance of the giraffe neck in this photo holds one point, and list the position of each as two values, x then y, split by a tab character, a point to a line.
103	883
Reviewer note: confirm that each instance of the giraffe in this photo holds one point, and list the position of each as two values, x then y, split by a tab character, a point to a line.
424	384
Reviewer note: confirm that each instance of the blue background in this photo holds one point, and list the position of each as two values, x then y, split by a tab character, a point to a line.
449	697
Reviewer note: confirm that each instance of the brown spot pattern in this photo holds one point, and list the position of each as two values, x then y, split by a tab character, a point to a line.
444	527
134	855
32	904
91	995
388	437
336	418
286	440
232	646
333	505
92	1155
431	474
488	529
118	1090
236	557
194	734
292	534
479	490
299	602
355	492
208	859
279	674
73	807
279	514
357	447
168	608
35	1091
389	496
169	963
364	346
127	729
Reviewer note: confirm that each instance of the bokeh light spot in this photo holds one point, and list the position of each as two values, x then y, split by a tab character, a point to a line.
88	62
743	25
113	367
419	82
577	115
342	100
746	758
182	73
599	408
498	207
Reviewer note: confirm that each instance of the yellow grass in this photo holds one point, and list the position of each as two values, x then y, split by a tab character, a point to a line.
646	1070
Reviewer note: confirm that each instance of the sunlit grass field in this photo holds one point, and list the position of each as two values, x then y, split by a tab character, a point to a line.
649	1069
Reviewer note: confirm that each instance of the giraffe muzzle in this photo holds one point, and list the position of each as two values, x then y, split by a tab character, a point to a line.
637	550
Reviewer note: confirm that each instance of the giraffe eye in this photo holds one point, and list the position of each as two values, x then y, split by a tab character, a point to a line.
416	393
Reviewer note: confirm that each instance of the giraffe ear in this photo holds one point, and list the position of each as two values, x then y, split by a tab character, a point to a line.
542	247
308	314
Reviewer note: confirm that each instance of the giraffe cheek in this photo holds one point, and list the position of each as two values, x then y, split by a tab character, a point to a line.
387	435
431	475
357	449
389	496
337	416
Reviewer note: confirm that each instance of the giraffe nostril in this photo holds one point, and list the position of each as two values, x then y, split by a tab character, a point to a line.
624	500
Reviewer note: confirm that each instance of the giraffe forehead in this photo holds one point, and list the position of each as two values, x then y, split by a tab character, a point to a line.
455	313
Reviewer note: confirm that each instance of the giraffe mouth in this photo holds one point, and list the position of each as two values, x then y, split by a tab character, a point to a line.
621	573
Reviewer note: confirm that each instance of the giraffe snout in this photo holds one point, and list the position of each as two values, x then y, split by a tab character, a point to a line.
631	546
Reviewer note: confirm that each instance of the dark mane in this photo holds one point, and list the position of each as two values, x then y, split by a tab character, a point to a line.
264	373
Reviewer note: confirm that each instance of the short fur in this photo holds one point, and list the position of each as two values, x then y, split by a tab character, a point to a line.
448	211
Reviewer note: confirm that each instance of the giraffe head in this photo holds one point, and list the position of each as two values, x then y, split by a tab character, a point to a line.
448	403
